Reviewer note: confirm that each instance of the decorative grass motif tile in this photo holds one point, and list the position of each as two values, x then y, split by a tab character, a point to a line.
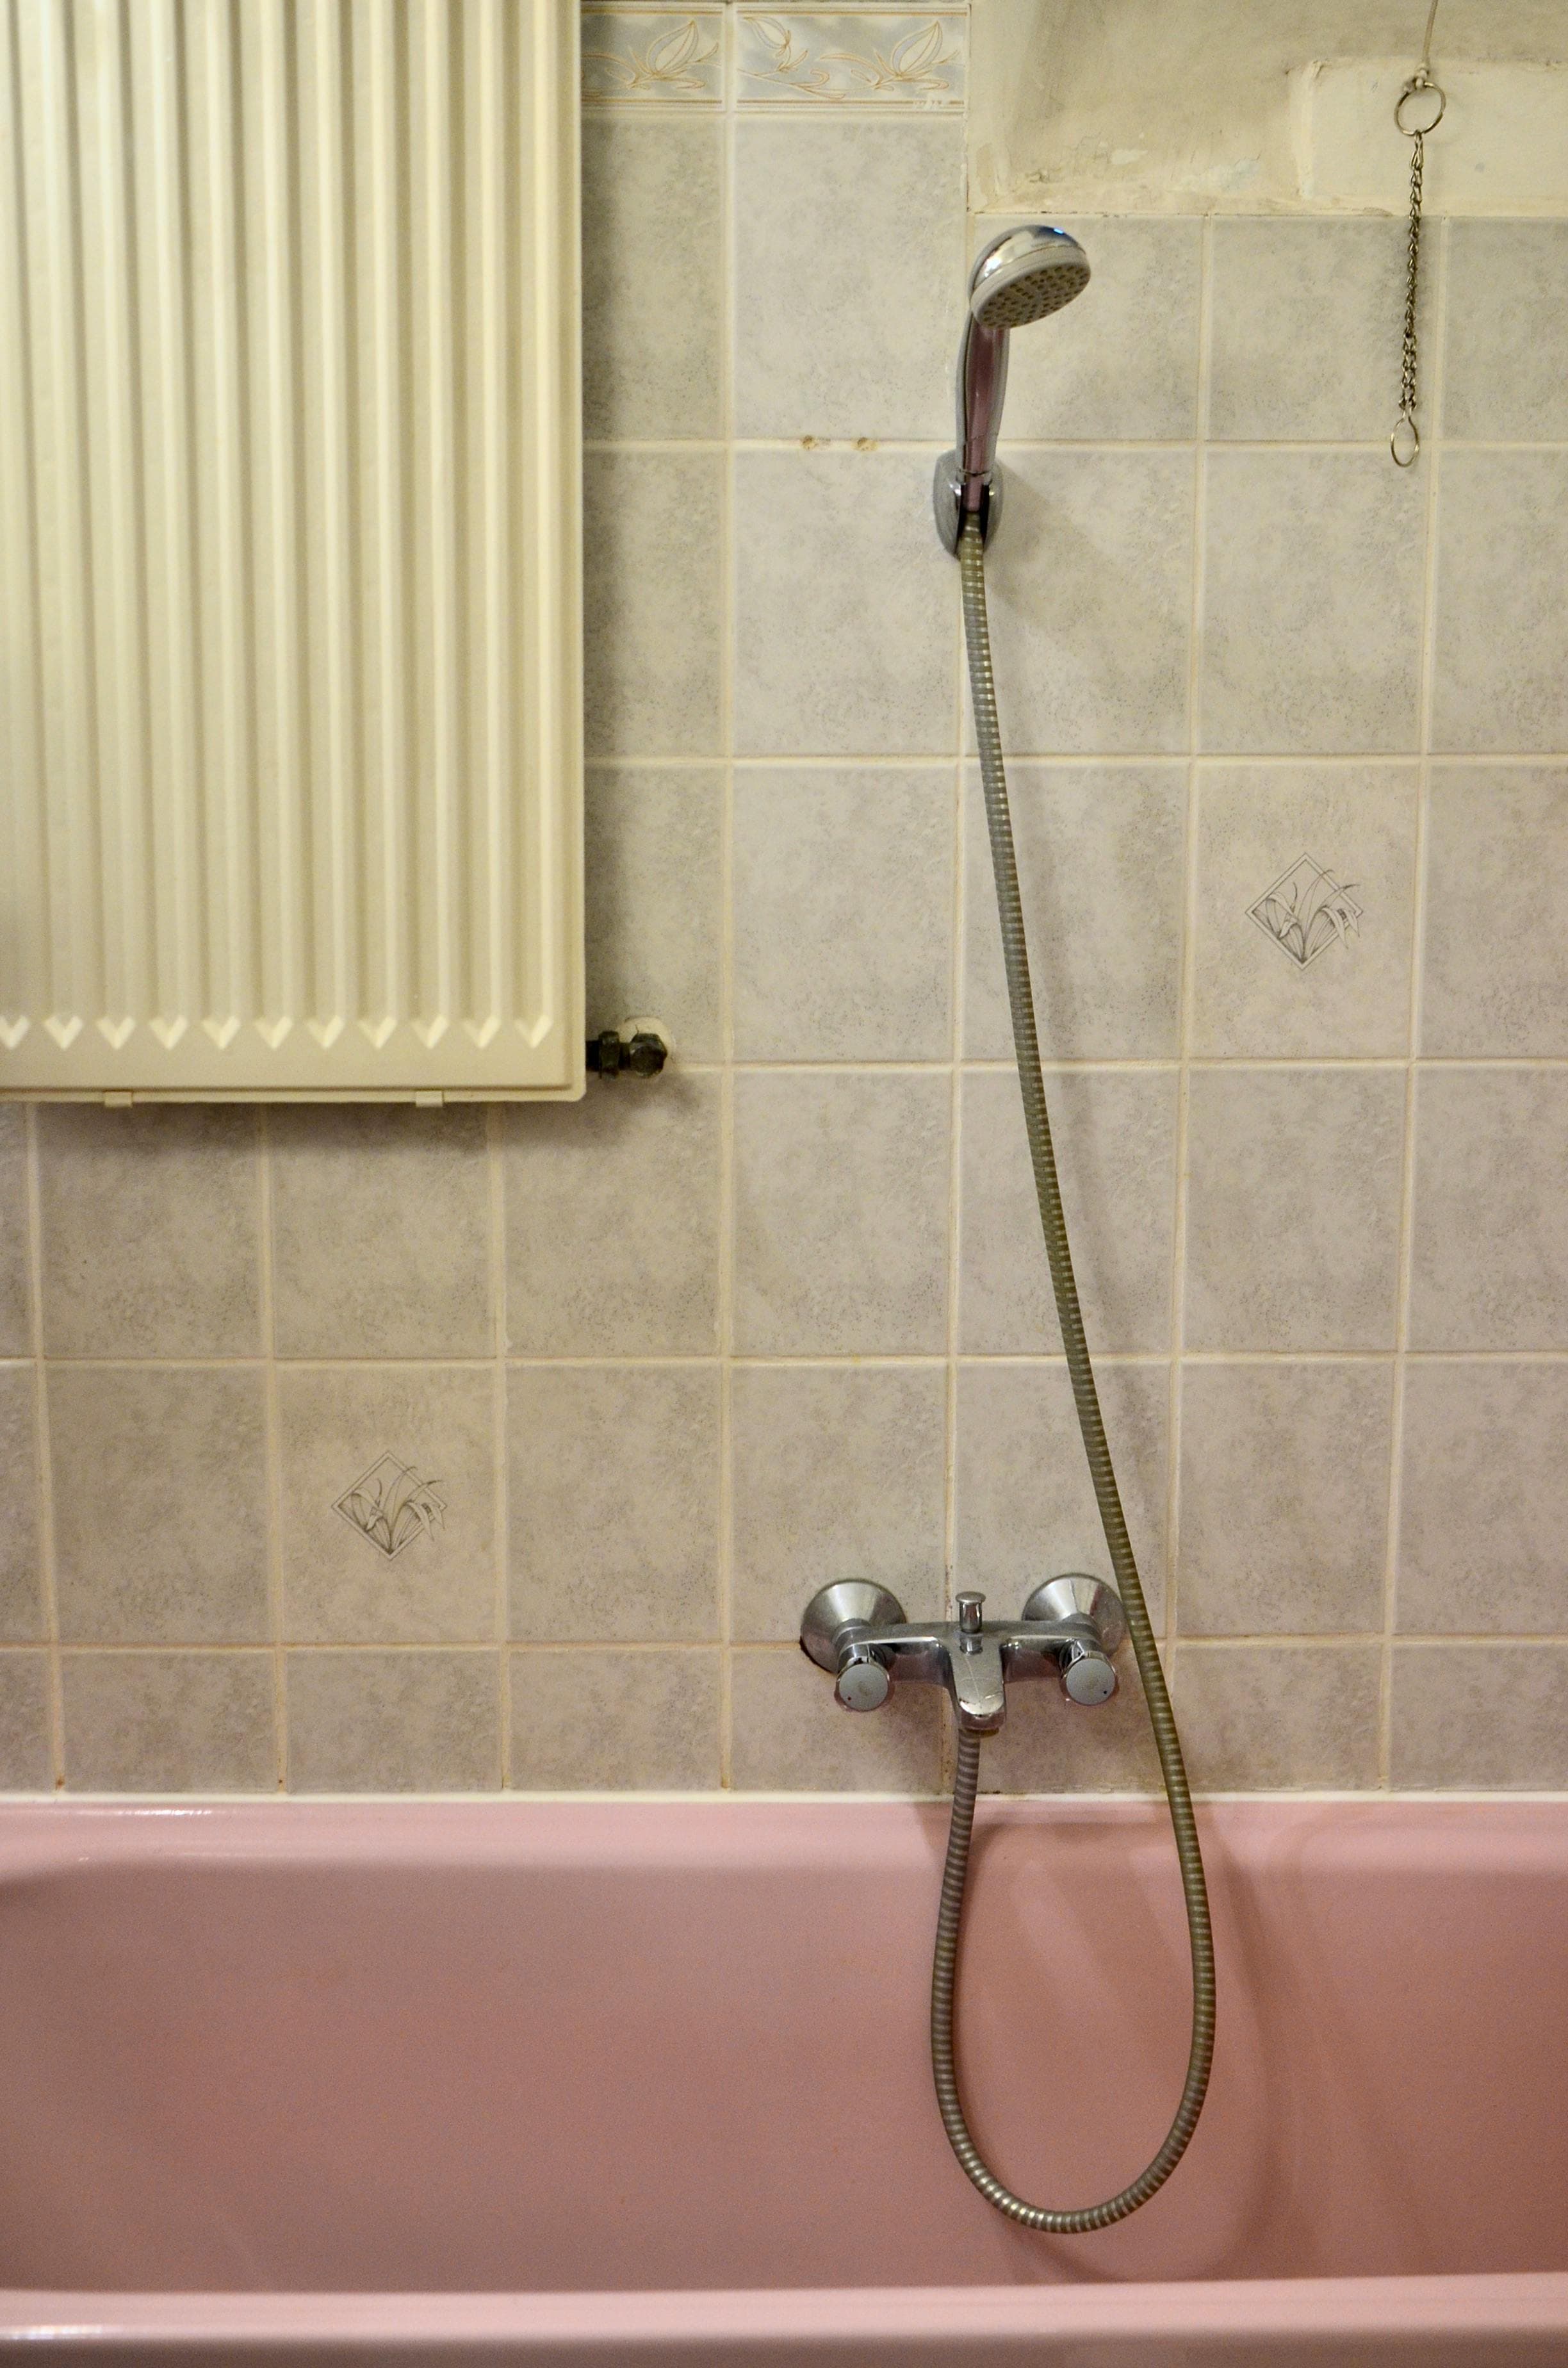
661	57
1307	910
857	57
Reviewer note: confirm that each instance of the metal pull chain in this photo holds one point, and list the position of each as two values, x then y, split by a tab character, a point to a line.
1418	110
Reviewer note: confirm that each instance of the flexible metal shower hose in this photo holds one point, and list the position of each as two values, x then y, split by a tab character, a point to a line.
955	1875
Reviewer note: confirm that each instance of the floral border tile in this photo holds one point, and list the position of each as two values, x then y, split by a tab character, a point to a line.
660	57
856	57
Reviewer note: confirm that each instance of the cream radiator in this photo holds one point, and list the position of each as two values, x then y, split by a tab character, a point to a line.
289	609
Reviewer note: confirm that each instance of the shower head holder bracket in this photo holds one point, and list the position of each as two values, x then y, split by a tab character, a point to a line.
946	500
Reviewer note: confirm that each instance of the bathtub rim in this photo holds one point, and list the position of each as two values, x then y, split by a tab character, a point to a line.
1529	2305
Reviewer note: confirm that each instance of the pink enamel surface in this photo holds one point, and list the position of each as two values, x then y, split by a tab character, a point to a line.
648	2083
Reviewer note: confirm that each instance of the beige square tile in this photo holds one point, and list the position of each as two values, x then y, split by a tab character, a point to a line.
844	905
160	1504
1050	1745
1506	357
1284	1497
612	1221
1279	972
615	1722
790	1735
651	536
1100	868
1484	1519
1501	662
1276	1718
614	1497
1026	1503
151	1231
387	1504
1489	1255
846	608
845	325
411	1721
1115	1138
1293	1208
653	285
15	1338
25	1758
380	1229
1301	315
1121	359
1496	929
654	890
21	1598
1089	583
169	1722
841	1213
1313	604
838	1473
1451	1732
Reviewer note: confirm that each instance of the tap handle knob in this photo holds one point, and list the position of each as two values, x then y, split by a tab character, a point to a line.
863	1681
1089	1676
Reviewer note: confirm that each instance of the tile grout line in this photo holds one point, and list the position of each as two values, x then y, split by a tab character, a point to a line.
1361	447
832	1359
1090	760
1186	1008
501	1476
48	1573
956	982
725	1309
483	1647
1417	957
267	1316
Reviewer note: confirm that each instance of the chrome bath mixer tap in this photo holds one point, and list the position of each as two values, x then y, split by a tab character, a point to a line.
1070	1630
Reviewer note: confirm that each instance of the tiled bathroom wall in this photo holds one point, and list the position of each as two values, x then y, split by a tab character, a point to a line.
383	1448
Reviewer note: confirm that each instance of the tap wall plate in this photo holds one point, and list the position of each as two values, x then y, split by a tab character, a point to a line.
847	1603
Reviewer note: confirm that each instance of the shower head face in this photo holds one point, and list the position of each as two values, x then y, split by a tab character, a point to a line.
1024	274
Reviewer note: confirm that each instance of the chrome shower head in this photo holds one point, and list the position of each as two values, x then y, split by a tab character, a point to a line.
1023	275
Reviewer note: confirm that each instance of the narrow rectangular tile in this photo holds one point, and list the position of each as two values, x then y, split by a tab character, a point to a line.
657	57
863	56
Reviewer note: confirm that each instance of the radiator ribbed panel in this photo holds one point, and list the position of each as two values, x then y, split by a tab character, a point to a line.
288	573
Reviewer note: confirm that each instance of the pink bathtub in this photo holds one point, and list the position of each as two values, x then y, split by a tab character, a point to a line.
647	2084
